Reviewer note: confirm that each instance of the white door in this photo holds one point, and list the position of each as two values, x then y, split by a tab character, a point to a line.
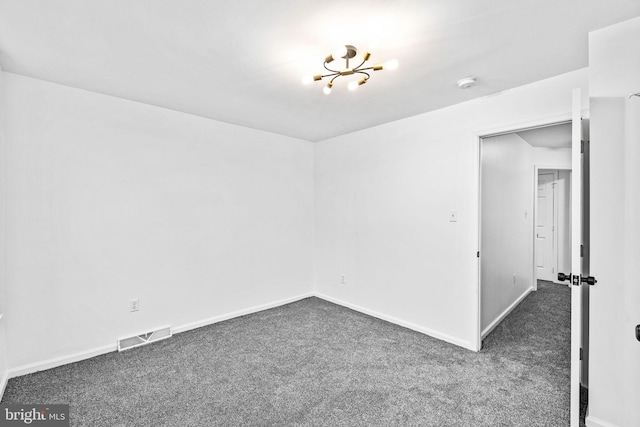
577	241
545	265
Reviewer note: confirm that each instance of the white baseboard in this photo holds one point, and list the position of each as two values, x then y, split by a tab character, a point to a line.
596	422
59	361
400	322
244	312
505	313
3	384
64	360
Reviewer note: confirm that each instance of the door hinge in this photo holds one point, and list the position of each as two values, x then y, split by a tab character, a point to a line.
582	146
580	354
478	254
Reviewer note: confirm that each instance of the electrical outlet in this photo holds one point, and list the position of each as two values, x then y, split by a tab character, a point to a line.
343	280
134	305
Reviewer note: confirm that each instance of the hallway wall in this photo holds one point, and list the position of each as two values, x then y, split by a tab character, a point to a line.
506	249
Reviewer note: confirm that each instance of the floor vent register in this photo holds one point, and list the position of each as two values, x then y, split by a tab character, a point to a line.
144	338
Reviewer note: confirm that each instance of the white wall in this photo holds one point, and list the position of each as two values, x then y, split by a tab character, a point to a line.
549	157
383	197
3	282
506	225
614	371
109	200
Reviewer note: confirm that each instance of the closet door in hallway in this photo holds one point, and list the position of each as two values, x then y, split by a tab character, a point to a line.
545	226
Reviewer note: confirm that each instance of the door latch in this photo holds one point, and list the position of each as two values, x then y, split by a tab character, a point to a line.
577	280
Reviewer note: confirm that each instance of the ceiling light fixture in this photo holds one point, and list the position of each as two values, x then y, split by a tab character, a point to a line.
348	53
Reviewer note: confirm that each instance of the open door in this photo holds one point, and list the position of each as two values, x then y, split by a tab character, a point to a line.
579	277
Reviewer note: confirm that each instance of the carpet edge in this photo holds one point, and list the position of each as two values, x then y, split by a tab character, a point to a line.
505	313
243	312
60	361
405	324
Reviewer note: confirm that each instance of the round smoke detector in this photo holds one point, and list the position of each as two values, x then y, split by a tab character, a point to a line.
467	82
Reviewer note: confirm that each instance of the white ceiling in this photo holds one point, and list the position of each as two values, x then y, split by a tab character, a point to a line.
242	61
557	136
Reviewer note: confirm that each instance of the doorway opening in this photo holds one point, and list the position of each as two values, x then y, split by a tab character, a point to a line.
524	192
515	168
552	235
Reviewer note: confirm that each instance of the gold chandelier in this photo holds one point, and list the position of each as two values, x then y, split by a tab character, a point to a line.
348	53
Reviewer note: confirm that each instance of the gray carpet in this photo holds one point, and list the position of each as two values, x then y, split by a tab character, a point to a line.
313	363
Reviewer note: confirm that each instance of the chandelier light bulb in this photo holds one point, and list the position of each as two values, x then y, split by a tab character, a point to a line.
326	90
308	79
353	85
340	52
391	65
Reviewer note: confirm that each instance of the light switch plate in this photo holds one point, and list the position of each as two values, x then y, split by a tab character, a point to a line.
453	215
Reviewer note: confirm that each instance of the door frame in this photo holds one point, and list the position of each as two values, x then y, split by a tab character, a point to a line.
477	138
536	169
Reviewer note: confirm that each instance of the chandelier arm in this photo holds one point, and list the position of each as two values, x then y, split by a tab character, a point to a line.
362	72
329	69
361	64
336	74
